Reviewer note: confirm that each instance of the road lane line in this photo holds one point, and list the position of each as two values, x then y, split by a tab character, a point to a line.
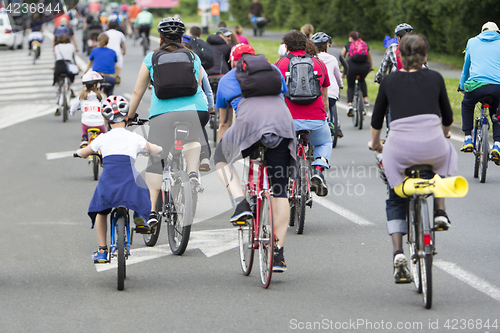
61	154
469	278
353	217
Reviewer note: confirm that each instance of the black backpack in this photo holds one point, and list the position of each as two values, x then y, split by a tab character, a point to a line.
174	73
257	77
204	51
95	23
303	82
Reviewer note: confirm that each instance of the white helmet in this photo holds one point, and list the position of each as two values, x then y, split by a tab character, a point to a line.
91	78
115	109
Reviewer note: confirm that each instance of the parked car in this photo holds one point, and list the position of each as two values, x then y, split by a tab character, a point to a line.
11	35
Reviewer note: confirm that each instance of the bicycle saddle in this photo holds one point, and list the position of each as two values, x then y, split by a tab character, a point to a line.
486	100
420	171
303	132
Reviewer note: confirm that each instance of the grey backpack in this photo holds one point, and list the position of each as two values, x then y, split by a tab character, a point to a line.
302	81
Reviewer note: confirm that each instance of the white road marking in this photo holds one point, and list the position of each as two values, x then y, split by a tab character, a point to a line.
353	217
469	278
61	154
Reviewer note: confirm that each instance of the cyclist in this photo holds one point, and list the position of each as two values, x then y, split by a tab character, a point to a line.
92	27
164	112
132	13
258	117
117	44
90	102
219	42
144	22
390	60
64	28
64	52
311	116
481	77
103	60
360	64
322	42
36	30
120	184
255	12
417	136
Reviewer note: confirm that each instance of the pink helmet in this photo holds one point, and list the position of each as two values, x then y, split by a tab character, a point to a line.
91	78
115	109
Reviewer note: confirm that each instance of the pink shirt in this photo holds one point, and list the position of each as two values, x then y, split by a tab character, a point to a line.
242	39
315	110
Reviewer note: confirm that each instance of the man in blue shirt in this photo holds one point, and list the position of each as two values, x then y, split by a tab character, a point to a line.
103	61
481	77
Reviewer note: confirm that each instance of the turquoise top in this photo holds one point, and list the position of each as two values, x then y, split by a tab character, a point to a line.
197	102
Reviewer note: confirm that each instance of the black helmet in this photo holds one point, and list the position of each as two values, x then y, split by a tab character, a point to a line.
171	27
402	29
320	38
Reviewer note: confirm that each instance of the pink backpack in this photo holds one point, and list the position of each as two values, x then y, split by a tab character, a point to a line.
359	46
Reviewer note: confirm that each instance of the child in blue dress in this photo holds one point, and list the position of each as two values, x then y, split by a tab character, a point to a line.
120	184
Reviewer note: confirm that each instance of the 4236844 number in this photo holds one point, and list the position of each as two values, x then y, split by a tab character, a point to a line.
31	8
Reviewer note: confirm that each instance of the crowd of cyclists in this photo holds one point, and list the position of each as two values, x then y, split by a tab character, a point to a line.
272	119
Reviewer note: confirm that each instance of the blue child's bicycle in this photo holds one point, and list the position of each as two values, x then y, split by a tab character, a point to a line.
481	148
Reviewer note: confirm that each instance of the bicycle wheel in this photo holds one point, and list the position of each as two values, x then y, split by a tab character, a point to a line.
266	240
361	109
355	116
215	124
425	260
413	236
301	199
35	56
179	227
95	166
484	154
335	122
121	240
65	100
194	198
151	238
292	195
477	155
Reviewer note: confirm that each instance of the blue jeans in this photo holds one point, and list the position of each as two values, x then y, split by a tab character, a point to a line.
320	137
396	209
469	102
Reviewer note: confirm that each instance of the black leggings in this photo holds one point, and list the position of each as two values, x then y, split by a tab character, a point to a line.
162	133
351	82
277	160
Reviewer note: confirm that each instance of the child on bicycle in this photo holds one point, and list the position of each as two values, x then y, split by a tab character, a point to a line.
90	102
120	184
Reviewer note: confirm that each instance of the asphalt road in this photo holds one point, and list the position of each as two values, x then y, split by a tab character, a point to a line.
339	274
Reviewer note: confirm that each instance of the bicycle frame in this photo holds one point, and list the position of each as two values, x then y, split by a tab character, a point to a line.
481	120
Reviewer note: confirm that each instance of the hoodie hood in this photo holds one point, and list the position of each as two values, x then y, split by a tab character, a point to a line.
215	40
489	36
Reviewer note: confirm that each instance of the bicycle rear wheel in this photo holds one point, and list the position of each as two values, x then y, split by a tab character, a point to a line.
65	102
95	166
179	226
426	249
215	125
413	237
151	238
355	117
266	239
301	198
335	122
121	241
477	155
292	193
360	110
484	154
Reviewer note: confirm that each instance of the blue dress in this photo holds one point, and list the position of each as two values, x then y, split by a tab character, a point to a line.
120	185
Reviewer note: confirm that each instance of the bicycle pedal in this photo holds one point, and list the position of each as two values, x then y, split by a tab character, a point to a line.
201	189
142	230
309	202
240	223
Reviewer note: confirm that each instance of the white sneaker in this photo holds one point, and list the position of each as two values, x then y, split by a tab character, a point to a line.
401	271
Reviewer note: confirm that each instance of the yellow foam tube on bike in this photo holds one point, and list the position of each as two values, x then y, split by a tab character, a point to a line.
450	187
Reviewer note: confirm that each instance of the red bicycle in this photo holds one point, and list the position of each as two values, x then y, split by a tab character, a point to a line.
299	189
257	233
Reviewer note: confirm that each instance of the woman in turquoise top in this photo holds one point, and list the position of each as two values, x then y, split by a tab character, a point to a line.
164	112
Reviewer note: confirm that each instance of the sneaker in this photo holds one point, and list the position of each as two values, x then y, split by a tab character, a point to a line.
441	220
349	111
153	219
193	177
318	183
340	134
205	165
57	112
467	146
84	144
332	128
366	103
242	213
279	265
101	256
140	225
401	271
495	154
72	93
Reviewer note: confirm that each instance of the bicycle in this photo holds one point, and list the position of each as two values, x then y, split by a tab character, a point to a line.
422	183
144	43
358	106
36	49
63	85
214	117
178	197
334	123
94	159
481	148
299	189
257	233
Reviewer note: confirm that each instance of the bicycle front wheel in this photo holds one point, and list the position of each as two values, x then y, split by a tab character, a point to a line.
484	154
151	238
121	240
266	239
179	226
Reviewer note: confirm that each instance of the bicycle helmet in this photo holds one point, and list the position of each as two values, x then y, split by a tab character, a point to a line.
320	38
402	29
171	28
115	109
91	78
